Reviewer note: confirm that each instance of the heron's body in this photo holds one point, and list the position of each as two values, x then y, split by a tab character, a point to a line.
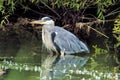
60	40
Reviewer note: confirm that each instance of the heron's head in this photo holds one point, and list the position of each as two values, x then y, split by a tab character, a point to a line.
44	21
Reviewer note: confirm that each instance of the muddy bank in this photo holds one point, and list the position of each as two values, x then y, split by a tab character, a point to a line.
17	34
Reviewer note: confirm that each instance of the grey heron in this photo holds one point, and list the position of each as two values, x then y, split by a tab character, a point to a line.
58	39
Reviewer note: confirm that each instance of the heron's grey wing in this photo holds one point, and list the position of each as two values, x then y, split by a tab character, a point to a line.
67	42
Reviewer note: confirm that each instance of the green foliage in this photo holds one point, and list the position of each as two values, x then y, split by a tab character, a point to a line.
72	4
76	4
99	51
1	3
83	4
10	7
4	21
93	63
116	31
102	5
6	11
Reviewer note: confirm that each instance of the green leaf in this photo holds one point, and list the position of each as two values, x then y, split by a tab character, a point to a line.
1	3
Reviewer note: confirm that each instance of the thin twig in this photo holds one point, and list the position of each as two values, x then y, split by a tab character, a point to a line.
50	9
116	11
98	32
34	10
80	25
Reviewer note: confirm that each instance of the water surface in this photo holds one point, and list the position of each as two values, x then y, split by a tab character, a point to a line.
29	61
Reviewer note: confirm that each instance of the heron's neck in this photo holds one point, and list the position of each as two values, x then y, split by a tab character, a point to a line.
48	27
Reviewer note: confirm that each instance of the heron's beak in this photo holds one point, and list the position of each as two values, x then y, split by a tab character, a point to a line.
37	22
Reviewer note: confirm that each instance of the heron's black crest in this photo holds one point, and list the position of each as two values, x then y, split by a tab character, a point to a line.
46	18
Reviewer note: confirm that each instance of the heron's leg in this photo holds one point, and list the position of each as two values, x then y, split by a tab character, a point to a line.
62	54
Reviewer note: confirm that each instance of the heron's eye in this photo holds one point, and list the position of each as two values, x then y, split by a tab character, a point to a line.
44	20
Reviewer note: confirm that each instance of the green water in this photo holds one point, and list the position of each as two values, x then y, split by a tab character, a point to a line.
29	61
